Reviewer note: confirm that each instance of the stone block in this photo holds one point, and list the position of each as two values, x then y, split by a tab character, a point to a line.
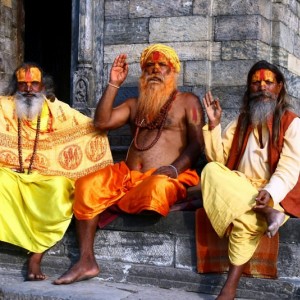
241	7
135	247
191	51
280	56
249	27
283	37
116	9
185	29
230	73
288	258
294	64
230	96
196	73
246	49
293	84
185	252
133	52
158	8
126	31
297	46
201	7
282	13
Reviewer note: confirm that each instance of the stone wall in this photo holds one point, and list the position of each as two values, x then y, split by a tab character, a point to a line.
11	53
217	42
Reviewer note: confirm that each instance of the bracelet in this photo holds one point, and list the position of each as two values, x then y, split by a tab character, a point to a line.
115	86
174	168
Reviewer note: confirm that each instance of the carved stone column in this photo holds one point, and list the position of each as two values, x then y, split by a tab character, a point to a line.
88	65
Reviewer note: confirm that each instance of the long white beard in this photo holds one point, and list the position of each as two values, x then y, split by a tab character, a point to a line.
29	107
262	105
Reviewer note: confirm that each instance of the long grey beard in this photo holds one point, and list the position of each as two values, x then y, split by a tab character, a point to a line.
261	106
29	107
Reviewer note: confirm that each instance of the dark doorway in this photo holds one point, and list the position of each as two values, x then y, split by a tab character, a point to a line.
47	40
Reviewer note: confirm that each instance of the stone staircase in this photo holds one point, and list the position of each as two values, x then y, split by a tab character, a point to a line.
157	251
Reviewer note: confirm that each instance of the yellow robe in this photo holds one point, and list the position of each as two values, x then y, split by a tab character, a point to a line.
228	196
36	208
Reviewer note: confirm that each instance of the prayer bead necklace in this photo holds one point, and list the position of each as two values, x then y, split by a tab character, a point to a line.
157	123
20	152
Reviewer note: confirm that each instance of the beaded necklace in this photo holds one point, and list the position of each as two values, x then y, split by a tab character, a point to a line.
20	152
157	123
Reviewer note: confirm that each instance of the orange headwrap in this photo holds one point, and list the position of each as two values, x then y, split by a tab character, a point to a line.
169	53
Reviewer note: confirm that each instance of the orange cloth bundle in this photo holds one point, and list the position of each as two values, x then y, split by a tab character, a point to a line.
131	191
212	254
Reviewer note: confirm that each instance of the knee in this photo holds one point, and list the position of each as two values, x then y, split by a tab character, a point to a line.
210	169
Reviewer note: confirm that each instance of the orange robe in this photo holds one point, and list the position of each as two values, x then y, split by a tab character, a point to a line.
131	191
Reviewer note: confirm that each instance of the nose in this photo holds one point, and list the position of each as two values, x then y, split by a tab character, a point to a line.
156	68
28	87
262	85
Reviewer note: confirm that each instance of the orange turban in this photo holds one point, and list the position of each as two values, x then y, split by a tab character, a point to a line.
167	51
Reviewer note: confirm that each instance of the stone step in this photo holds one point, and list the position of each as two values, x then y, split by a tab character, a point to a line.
147	249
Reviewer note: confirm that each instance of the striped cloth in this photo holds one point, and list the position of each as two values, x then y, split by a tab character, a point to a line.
212	254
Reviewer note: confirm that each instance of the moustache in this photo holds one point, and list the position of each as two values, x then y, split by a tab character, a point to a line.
156	77
264	95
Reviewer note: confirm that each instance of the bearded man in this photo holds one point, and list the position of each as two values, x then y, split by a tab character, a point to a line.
255	164
166	125
45	146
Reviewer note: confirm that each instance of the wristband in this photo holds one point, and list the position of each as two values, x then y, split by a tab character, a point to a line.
174	168
115	86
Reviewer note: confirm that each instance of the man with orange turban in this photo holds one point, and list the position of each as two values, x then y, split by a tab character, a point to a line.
167	141
45	146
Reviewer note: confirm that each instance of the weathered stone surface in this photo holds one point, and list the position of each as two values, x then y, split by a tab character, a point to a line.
158	8
185	253
283	13
196	73
202	7
249	27
230	73
184	29
247	49
294	64
283	37
293	84
126	31
241	7
137	247
116	9
297	46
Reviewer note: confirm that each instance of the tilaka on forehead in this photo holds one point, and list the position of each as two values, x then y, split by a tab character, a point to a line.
29	75
156	55
262	75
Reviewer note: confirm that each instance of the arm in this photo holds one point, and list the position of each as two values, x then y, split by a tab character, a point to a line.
217	144
194	120
106	117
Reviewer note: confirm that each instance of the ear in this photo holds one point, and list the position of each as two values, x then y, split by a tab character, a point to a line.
279	86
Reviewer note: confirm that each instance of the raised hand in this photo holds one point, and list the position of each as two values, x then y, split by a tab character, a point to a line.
119	70
213	110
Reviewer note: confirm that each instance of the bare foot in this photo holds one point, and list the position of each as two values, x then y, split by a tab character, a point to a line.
226	295
82	270
275	219
34	272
